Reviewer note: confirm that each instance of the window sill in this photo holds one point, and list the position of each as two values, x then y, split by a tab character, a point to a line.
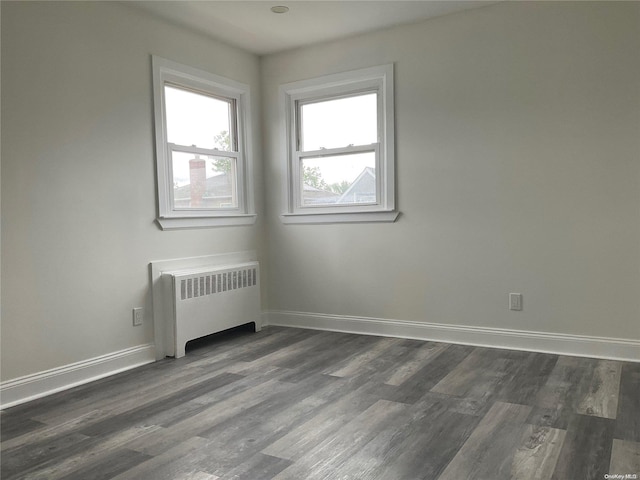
354	217
177	223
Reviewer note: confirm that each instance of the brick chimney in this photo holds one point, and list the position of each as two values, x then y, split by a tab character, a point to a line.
197	180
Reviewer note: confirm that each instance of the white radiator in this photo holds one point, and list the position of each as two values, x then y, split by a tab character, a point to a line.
211	299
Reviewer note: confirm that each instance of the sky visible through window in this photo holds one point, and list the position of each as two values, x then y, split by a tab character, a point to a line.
339	122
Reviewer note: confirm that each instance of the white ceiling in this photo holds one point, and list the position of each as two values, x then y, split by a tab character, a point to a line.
251	25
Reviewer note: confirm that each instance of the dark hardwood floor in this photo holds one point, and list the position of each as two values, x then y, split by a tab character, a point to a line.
300	404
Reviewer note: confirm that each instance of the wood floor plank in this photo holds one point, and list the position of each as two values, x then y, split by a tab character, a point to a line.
324	423
300	404
232	446
301	351
245	436
14	426
586	452
157	385
562	385
507	376
419	358
47	432
358	362
385	366
321	461
281	357
524	377
93	451
169	465
488	453
151	381
476	371
109	466
252	347
566	389
557	417
417	445
18	461
601	398
628	416
320	359
420	383
190	408
230	443
196	476
625	458
382	367
465	405
151	408
538	453
259	466
165	438
277	341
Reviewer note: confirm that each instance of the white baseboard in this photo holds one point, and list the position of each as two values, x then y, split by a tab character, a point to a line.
563	344
23	389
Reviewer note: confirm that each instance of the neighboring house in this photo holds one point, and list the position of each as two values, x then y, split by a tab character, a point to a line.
316	196
362	189
218	193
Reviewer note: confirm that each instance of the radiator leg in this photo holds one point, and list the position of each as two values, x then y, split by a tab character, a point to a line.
180	350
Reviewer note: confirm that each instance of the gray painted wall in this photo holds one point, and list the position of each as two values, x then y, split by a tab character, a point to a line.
518	170
78	177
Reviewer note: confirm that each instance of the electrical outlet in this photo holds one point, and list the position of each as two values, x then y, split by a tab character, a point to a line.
138	314
515	301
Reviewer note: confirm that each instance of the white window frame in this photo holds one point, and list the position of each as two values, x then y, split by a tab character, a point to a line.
182	76
377	79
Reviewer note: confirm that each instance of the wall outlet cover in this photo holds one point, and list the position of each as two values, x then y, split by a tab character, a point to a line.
138	315
515	301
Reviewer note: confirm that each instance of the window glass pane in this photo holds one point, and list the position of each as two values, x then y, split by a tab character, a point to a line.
201	181
339	180
339	122
197	119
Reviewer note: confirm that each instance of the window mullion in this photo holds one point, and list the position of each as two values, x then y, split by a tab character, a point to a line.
297	115
202	151
326	152
233	123
298	174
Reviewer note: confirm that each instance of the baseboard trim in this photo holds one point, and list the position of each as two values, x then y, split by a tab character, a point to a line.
563	344
27	388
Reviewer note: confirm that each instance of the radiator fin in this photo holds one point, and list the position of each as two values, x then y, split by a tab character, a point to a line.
217	283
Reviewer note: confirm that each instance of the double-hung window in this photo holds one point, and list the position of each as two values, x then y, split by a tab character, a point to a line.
340	141
202	135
